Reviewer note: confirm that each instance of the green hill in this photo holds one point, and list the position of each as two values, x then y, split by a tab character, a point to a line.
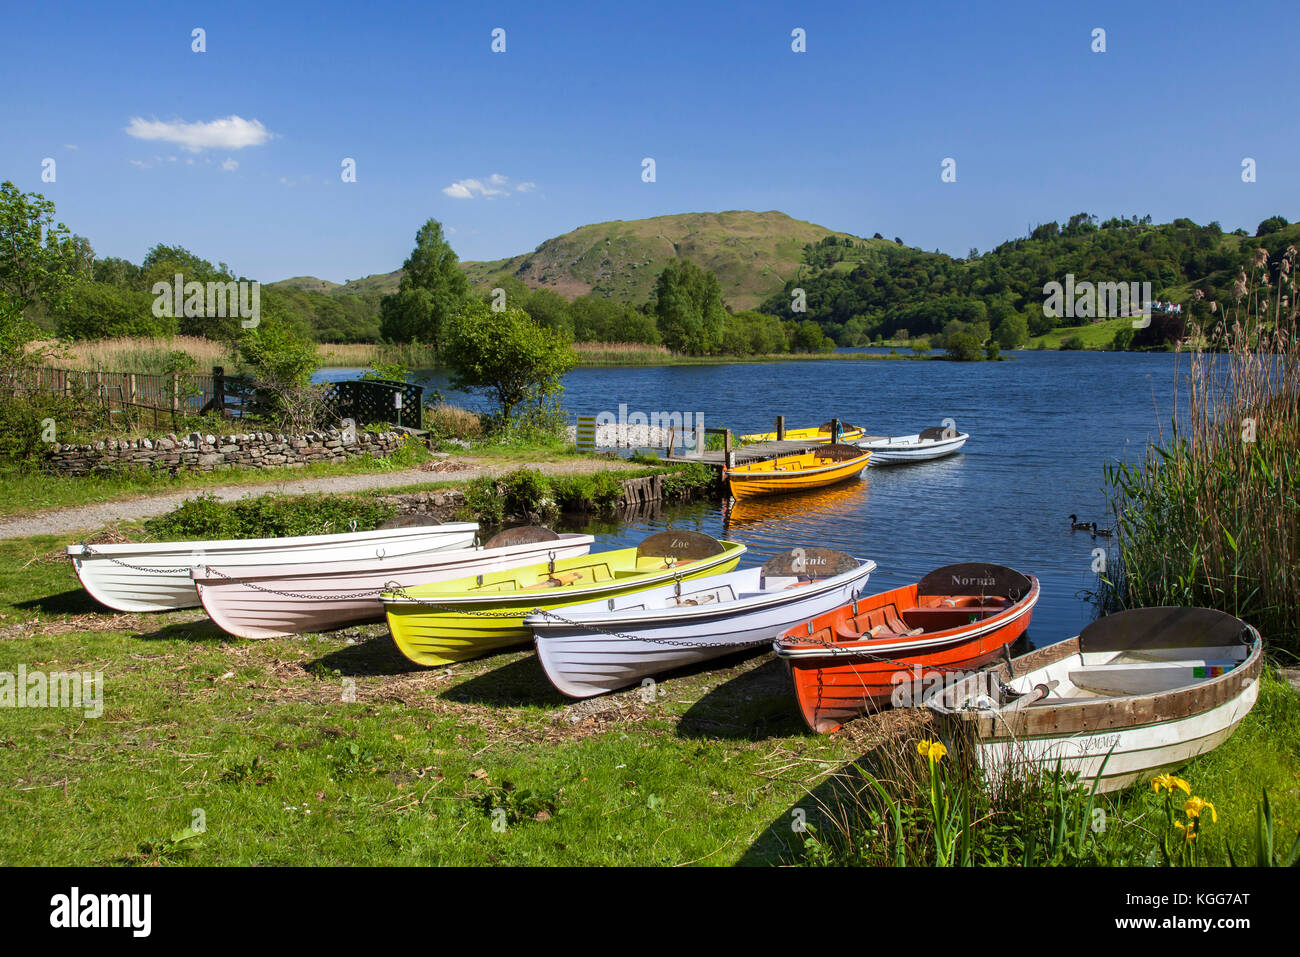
752	254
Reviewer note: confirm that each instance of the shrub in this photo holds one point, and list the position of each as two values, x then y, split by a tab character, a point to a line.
268	516
1073	343
446	421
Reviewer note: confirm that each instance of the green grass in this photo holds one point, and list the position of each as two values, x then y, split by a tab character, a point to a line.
29	490
258	737
1097	335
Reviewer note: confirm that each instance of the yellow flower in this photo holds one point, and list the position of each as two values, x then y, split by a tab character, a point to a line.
1196	805
1168	782
931	750
1189	833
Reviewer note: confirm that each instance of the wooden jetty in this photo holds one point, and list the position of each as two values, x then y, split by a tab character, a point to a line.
731	454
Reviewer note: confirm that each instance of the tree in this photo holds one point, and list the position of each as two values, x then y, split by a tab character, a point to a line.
38	264
1012	332
96	310
1271	225
506	355
38	258
434	269
688	304
963	347
282	360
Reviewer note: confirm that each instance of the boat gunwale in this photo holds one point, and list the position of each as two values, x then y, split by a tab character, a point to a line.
1096	714
366	565
162	549
797	473
704	612
792	649
733	551
884	443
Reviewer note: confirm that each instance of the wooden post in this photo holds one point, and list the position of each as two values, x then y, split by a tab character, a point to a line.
130	385
780	428
219	389
176	393
728	457
836	428
672	440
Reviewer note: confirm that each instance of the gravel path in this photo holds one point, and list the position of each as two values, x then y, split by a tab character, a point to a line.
75	518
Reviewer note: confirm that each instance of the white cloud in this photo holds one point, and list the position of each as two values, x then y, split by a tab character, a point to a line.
70	146
229	165
496	185
232	133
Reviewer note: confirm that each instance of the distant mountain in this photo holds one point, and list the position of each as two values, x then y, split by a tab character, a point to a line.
752	254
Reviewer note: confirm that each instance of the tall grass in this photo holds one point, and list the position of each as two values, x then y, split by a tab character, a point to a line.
158	356
1211	516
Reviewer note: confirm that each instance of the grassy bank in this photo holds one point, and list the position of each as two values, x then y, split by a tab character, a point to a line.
333	749
260	737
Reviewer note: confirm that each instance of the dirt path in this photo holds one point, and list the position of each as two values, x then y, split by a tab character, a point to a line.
77	517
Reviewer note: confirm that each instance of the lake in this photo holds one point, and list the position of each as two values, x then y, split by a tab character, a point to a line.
1042	425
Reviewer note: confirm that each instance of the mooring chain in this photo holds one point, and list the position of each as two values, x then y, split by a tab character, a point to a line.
88	550
347	596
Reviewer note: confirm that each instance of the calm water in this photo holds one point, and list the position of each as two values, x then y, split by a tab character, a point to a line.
1042	425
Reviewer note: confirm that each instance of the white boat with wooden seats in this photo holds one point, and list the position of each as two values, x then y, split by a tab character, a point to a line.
932	443
271	601
601	646
155	576
1134	693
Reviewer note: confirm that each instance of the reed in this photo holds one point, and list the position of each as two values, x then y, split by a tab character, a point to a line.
447	421
157	356
622	353
1211	516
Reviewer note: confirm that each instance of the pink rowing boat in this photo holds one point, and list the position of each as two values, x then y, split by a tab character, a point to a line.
272	601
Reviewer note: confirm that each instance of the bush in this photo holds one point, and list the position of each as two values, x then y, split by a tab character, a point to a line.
920	346
268	516
1073	343
963	347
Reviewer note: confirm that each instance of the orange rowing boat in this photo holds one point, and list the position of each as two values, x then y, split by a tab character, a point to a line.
891	647
794	473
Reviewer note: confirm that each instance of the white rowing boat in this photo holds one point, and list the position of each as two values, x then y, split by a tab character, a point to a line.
1136	692
599	646
271	601
156	576
927	444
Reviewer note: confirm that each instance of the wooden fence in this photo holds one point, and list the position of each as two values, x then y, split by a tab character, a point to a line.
151	398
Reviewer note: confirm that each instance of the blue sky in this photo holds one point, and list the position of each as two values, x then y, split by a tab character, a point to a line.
850	134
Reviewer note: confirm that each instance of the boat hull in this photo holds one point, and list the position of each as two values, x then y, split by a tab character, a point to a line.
835	686
441	629
253	601
746	482
160	577
581	659
1123	735
901	450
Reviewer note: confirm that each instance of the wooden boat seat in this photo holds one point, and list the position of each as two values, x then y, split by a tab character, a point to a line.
939	617
556	581
1145	677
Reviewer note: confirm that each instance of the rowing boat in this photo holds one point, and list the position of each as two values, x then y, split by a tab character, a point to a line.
821	433
271	601
444	622
884	649
795	473
601	646
927	444
156	576
1134	693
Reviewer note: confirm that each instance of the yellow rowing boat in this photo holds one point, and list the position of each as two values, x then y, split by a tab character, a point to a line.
795	473
449	621
822	433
